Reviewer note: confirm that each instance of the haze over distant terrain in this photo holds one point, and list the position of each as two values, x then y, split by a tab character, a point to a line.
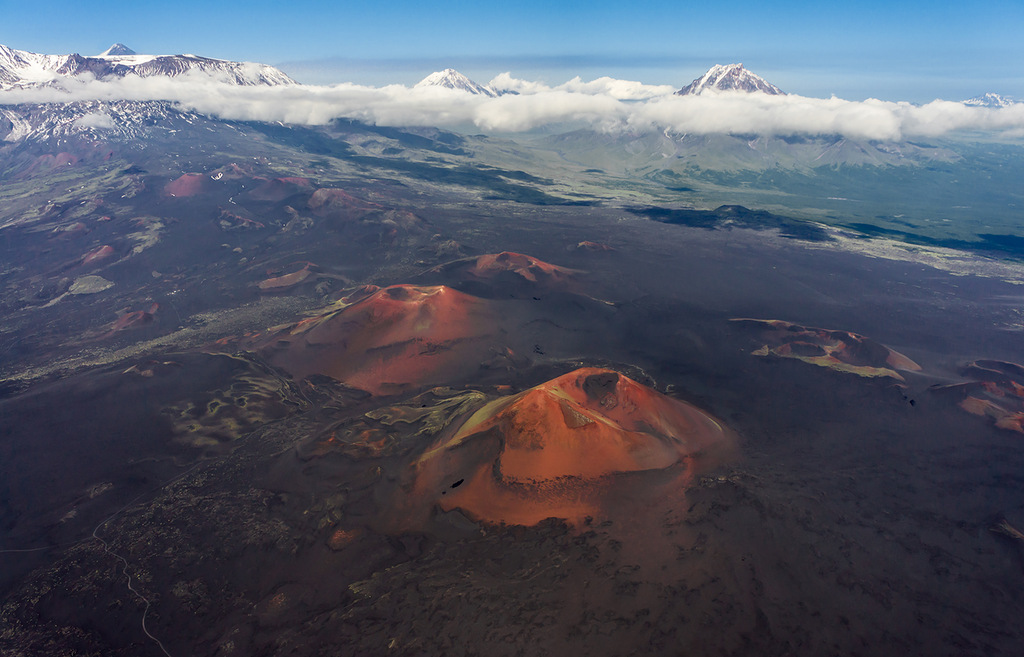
914	51
740	102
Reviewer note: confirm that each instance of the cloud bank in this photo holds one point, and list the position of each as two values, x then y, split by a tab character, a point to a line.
604	104
605	86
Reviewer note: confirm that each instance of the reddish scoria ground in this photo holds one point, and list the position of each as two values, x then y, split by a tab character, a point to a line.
557	450
838	350
189	184
997	392
391	339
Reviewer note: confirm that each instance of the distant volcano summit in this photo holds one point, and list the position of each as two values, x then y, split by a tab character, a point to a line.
117	50
730	77
452	79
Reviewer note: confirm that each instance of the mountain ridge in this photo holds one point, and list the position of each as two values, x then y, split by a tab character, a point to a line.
21	69
991	99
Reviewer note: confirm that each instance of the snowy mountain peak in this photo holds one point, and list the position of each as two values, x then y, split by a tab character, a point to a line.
990	100
20	69
730	77
452	79
117	50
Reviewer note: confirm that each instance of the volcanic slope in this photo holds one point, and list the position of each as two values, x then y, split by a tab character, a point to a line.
394	338
565	449
839	350
507	274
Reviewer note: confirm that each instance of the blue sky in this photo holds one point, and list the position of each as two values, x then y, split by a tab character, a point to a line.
892	50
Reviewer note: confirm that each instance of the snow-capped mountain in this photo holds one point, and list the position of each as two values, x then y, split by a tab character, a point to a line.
729	77
117	50
452	79
991	100
21	69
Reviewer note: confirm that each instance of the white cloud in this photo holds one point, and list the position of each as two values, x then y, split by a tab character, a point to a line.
619	89
605	86
525	112
738	112
96	120
505	82
604	104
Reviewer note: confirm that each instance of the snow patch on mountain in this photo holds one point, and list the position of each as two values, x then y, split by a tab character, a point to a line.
124	119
